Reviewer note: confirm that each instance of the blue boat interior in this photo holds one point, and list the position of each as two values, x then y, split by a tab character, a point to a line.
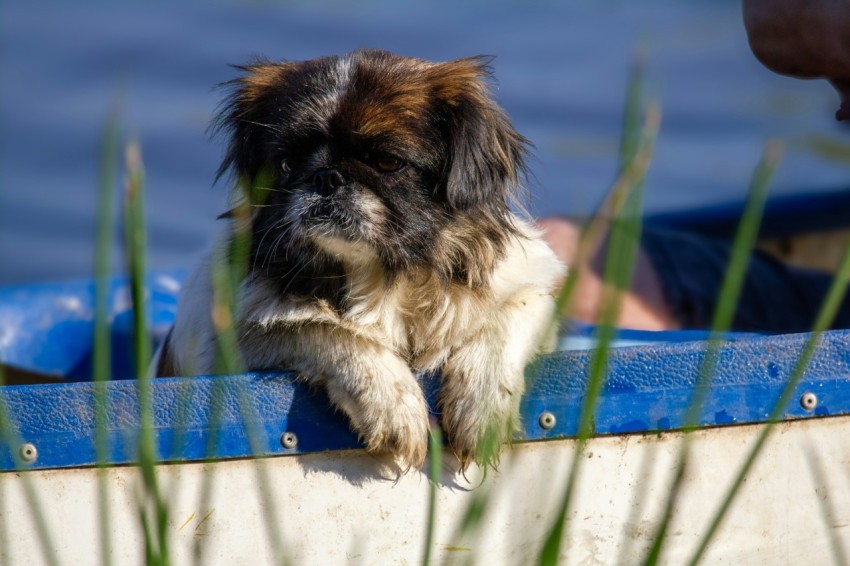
651	379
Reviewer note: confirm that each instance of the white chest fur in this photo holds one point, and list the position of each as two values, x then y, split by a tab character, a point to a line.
416	316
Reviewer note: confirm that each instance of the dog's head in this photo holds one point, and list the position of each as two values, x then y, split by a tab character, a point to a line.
374	157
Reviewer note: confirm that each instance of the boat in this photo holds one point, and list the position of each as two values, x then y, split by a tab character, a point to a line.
257	468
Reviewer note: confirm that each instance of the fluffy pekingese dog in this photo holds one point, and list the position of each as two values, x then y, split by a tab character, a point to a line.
383	244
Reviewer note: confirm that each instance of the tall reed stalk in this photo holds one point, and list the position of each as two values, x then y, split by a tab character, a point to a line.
102	359
614	233
727	303
435	455
228	272
153	508
831	304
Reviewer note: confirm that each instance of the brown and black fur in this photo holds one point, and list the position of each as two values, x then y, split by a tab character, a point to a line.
435	118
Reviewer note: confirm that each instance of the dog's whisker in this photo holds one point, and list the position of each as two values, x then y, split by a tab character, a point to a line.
263	238
274	246
271	127
293	278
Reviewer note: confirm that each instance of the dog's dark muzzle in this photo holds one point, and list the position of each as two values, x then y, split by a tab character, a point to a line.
327	181
331	200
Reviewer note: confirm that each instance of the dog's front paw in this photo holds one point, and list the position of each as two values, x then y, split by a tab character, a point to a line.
399	428
478	423
393	420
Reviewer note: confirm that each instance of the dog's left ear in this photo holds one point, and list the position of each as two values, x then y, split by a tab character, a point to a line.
486	155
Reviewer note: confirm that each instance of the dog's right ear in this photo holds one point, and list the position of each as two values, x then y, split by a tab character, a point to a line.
247	117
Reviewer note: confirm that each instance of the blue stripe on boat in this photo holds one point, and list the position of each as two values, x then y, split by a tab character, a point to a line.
48	328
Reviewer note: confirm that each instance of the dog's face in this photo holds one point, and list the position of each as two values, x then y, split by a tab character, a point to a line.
372	157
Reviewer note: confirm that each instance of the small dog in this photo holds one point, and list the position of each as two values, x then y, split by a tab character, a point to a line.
383	244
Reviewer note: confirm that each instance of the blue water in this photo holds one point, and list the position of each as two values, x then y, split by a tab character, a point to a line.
561	70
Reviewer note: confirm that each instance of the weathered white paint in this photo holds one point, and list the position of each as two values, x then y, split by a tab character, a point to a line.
333	508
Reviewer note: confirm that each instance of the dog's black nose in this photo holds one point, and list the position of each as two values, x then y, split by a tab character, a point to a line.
328	180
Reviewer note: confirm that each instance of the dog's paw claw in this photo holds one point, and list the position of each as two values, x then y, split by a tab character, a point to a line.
480	445
401	431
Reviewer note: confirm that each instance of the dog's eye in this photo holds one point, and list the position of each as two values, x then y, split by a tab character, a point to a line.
389	164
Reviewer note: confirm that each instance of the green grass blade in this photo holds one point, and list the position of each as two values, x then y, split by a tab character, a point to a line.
101	350
728	298
153	502
625	203
832	149
619	267
207	484
826	315
228	272
436	465
136	244
472	519
593	233
264	485
632	113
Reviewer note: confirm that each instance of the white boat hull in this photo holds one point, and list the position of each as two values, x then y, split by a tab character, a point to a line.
334	508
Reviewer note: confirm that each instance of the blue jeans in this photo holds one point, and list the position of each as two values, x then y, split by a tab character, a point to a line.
775	298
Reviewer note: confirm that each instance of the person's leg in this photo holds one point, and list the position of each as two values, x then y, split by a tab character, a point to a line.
644	306
678	278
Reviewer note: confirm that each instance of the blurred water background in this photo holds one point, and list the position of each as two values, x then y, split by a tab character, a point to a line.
561	69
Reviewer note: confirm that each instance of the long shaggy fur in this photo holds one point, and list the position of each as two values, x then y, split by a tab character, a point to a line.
382	244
